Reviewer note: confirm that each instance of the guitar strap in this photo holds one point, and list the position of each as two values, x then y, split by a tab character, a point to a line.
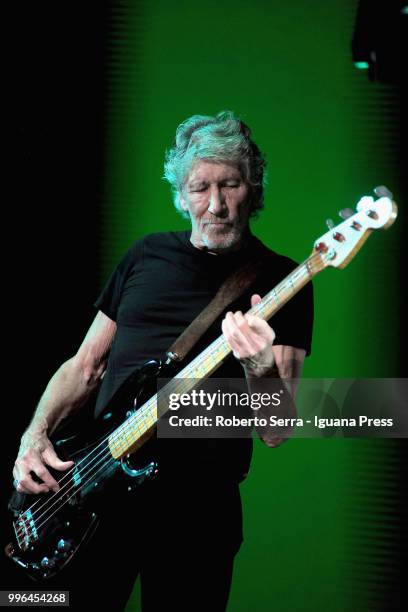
231	289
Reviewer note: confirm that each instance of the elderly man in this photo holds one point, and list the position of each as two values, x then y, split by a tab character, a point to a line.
182	530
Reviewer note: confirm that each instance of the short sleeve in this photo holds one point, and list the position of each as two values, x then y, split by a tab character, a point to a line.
109	300
293	323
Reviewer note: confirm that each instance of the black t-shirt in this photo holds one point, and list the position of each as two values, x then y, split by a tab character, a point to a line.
162	283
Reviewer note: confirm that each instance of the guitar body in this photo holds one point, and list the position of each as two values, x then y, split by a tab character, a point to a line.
50	528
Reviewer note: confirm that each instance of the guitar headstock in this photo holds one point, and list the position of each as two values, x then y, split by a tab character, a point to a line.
339	245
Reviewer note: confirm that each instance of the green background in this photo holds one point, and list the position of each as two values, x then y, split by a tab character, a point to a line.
311	507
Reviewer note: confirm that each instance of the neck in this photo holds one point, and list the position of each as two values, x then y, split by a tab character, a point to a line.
198	243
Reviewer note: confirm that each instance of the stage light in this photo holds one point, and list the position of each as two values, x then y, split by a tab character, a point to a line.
362	65
380	40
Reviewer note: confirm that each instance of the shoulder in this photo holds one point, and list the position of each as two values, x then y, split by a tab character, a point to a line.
270	257
275	267
156	237
166	243
154	240
162	238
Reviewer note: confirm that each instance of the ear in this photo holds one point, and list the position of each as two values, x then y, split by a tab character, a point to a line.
183	203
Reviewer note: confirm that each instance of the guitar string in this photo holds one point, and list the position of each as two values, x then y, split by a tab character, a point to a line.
273	294
140	417
302	270
98	473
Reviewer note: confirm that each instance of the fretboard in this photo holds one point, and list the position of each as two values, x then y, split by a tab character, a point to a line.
133	431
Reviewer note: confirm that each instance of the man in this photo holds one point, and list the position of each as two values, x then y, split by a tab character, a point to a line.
183	530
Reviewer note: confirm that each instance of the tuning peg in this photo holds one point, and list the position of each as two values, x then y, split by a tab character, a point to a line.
383	192
345	213
330	223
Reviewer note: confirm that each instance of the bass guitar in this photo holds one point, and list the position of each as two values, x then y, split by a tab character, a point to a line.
50	528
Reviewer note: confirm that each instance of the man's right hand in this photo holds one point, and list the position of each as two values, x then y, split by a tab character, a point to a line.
36	451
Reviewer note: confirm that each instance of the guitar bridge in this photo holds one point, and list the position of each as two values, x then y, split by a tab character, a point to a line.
25	530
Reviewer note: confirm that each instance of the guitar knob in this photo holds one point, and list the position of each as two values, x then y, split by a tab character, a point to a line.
64	545
330	223
345	213
321	247
383	192
46	562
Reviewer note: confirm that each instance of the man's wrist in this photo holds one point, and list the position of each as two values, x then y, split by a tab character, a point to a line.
254	369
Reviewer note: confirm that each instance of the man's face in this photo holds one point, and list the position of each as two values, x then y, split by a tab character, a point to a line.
217	199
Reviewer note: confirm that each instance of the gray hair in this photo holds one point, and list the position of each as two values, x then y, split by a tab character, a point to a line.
221	139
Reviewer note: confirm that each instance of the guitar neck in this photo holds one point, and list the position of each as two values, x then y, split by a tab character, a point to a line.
212	357
132	433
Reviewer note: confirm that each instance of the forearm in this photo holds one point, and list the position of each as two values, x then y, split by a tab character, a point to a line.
279	403
273	370
66	392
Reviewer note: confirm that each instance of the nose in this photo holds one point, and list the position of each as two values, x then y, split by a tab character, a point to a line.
216	204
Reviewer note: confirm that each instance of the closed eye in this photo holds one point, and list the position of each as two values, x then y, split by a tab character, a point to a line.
197	188
231	183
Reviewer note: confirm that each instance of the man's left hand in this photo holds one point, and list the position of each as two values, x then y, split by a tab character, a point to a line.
251	340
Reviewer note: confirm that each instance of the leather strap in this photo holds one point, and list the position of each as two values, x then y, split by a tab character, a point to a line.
231	289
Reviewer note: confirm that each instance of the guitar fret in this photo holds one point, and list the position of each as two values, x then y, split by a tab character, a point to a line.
128	434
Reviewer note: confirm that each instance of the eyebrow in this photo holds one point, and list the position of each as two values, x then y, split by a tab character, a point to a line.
197	182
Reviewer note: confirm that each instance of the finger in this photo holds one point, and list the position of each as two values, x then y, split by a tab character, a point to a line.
238	328
27	485
260	327
246	344
241	323
254	339
255	299
50	456
22	489
233	344
230	340
257	331
33	463
46	477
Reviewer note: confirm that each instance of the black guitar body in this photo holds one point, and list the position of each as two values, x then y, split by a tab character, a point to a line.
50	528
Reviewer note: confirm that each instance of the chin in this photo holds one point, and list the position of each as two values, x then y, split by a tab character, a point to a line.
222	243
